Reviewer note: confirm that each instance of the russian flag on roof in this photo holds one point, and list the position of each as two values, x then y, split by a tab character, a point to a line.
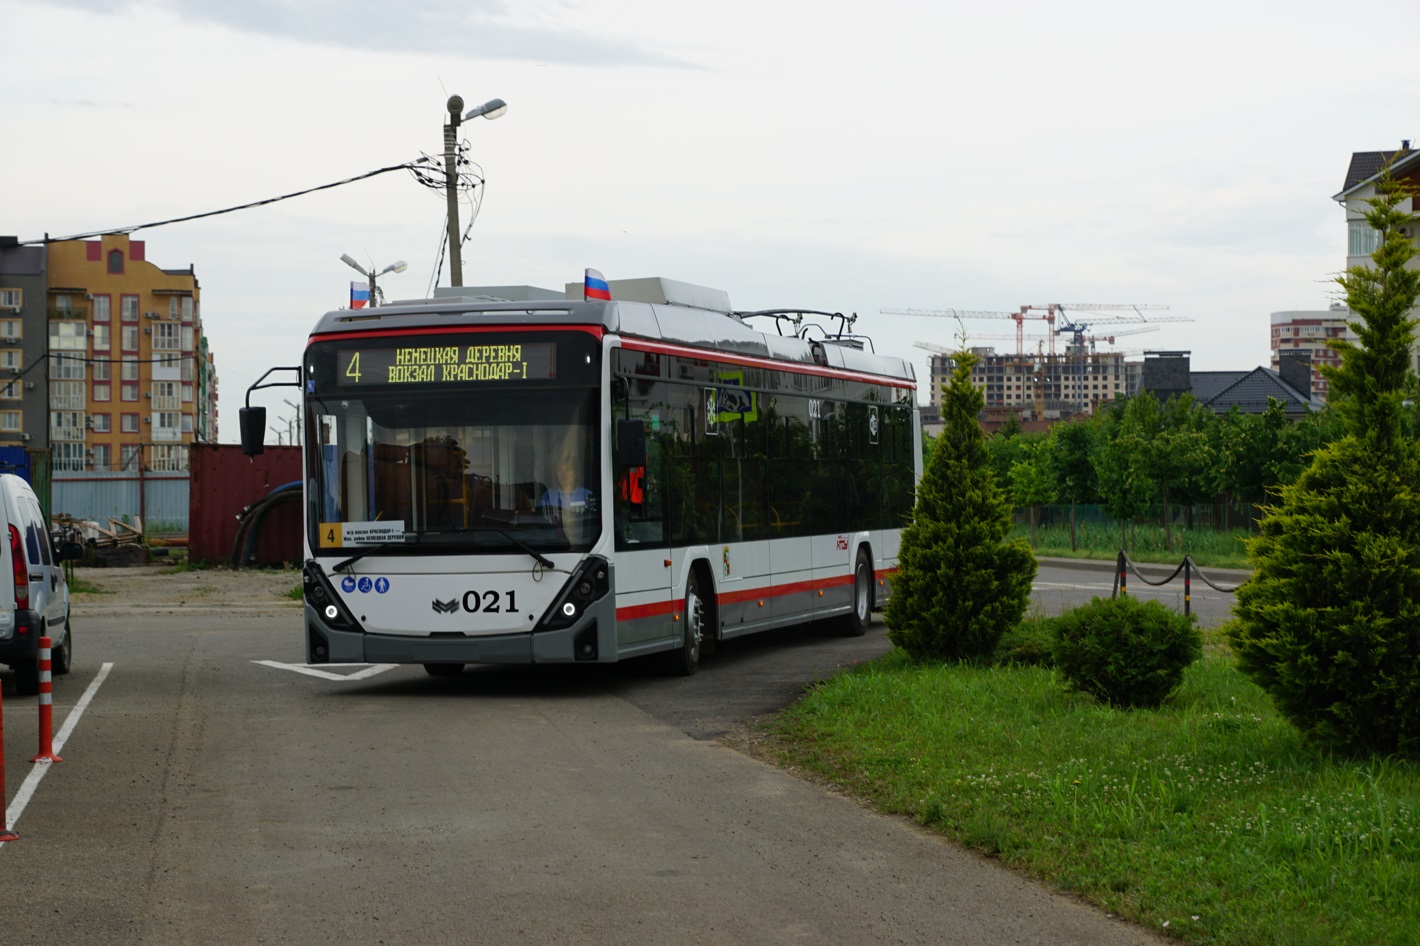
359	295
595	287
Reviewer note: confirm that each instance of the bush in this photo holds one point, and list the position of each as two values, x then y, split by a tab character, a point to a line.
961	581
1329	625
1124	651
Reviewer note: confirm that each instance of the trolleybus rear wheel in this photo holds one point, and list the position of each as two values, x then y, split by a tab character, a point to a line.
855	622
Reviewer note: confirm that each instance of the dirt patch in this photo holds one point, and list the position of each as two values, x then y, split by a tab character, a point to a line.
169	588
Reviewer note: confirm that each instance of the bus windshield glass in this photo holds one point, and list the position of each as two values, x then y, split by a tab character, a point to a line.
495	454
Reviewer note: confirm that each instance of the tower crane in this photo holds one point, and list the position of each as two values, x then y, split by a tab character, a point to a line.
1018	317
1078	327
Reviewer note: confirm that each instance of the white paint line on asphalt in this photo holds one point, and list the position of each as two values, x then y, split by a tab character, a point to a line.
27	790
369	670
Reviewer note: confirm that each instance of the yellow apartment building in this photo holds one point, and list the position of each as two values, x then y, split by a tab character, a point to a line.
130	378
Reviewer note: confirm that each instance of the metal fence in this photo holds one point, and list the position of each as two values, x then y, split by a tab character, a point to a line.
161	499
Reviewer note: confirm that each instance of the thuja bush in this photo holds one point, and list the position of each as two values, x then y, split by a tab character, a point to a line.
961	582
1329	624
1124	651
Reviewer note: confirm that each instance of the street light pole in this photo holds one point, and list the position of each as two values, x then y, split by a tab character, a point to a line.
297	430
493	108
396	267
451	191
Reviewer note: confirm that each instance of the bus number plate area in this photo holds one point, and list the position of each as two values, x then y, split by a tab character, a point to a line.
390	602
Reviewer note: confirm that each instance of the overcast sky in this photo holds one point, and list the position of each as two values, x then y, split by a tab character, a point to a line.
902	153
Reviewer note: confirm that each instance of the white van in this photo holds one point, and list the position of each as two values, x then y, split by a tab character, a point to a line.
34	595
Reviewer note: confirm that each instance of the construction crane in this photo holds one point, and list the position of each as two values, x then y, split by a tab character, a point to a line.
1049	313
1081	339
1078	327
1018	317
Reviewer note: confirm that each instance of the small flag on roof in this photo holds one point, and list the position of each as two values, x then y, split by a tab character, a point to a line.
595	287
359	295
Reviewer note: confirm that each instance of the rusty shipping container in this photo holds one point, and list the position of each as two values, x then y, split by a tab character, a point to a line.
223	483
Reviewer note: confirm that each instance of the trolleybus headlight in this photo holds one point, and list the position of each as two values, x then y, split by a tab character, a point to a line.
589	582
331	612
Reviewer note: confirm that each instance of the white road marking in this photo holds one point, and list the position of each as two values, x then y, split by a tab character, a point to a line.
369	669
27	790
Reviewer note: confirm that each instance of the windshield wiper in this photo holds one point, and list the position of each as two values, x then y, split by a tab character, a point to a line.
372	549
517	543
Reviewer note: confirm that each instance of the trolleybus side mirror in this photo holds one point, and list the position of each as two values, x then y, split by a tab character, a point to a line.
630	443
252	420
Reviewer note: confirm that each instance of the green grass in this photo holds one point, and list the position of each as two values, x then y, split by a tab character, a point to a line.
1209	547
1208	818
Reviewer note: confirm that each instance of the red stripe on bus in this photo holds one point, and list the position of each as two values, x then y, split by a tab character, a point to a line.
659	608
750	361
653	610
594	330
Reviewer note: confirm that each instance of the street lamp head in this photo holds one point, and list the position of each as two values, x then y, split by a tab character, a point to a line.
349	261
395	267
455	105
493	108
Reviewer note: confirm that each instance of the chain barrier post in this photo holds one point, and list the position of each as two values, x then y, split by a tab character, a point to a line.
1187	583
5	833
46	707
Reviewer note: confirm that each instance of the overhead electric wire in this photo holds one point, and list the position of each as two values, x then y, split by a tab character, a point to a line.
409	166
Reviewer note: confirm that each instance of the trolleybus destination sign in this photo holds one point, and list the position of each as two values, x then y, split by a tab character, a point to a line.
447	364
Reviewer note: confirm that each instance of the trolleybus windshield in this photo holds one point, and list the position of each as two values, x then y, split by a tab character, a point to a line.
448	448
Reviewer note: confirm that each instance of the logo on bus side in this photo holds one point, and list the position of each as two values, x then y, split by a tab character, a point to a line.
842	544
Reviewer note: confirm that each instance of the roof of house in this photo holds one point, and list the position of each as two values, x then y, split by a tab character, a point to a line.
1366	165
1248	390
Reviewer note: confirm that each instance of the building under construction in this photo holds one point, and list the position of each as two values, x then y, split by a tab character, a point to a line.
1043	388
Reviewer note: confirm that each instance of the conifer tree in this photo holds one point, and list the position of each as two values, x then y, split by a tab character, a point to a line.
960	582
1329	624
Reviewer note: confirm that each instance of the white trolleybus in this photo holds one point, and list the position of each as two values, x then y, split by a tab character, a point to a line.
560	480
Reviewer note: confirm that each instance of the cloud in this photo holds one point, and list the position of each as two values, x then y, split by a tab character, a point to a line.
543	31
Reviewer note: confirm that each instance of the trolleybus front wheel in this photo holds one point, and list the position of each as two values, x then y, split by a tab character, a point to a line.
685	659
443	670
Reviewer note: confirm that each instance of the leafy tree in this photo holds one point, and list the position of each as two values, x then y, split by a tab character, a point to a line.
1329	624
1182	463
1005	449
961	583
1072	446
1033	480
1122	462
1249	450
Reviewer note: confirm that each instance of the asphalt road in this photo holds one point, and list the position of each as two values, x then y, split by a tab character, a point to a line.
205	797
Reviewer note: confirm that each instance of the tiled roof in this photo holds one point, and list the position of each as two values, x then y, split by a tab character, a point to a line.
1367	164
1249	390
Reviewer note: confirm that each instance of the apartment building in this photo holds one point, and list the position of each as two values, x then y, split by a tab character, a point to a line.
23	287
130	379
1309	331
1039	386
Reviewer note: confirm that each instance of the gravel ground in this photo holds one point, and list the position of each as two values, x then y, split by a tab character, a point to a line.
169	588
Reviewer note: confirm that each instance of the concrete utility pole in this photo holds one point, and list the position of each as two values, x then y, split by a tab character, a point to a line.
451	189
493	108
